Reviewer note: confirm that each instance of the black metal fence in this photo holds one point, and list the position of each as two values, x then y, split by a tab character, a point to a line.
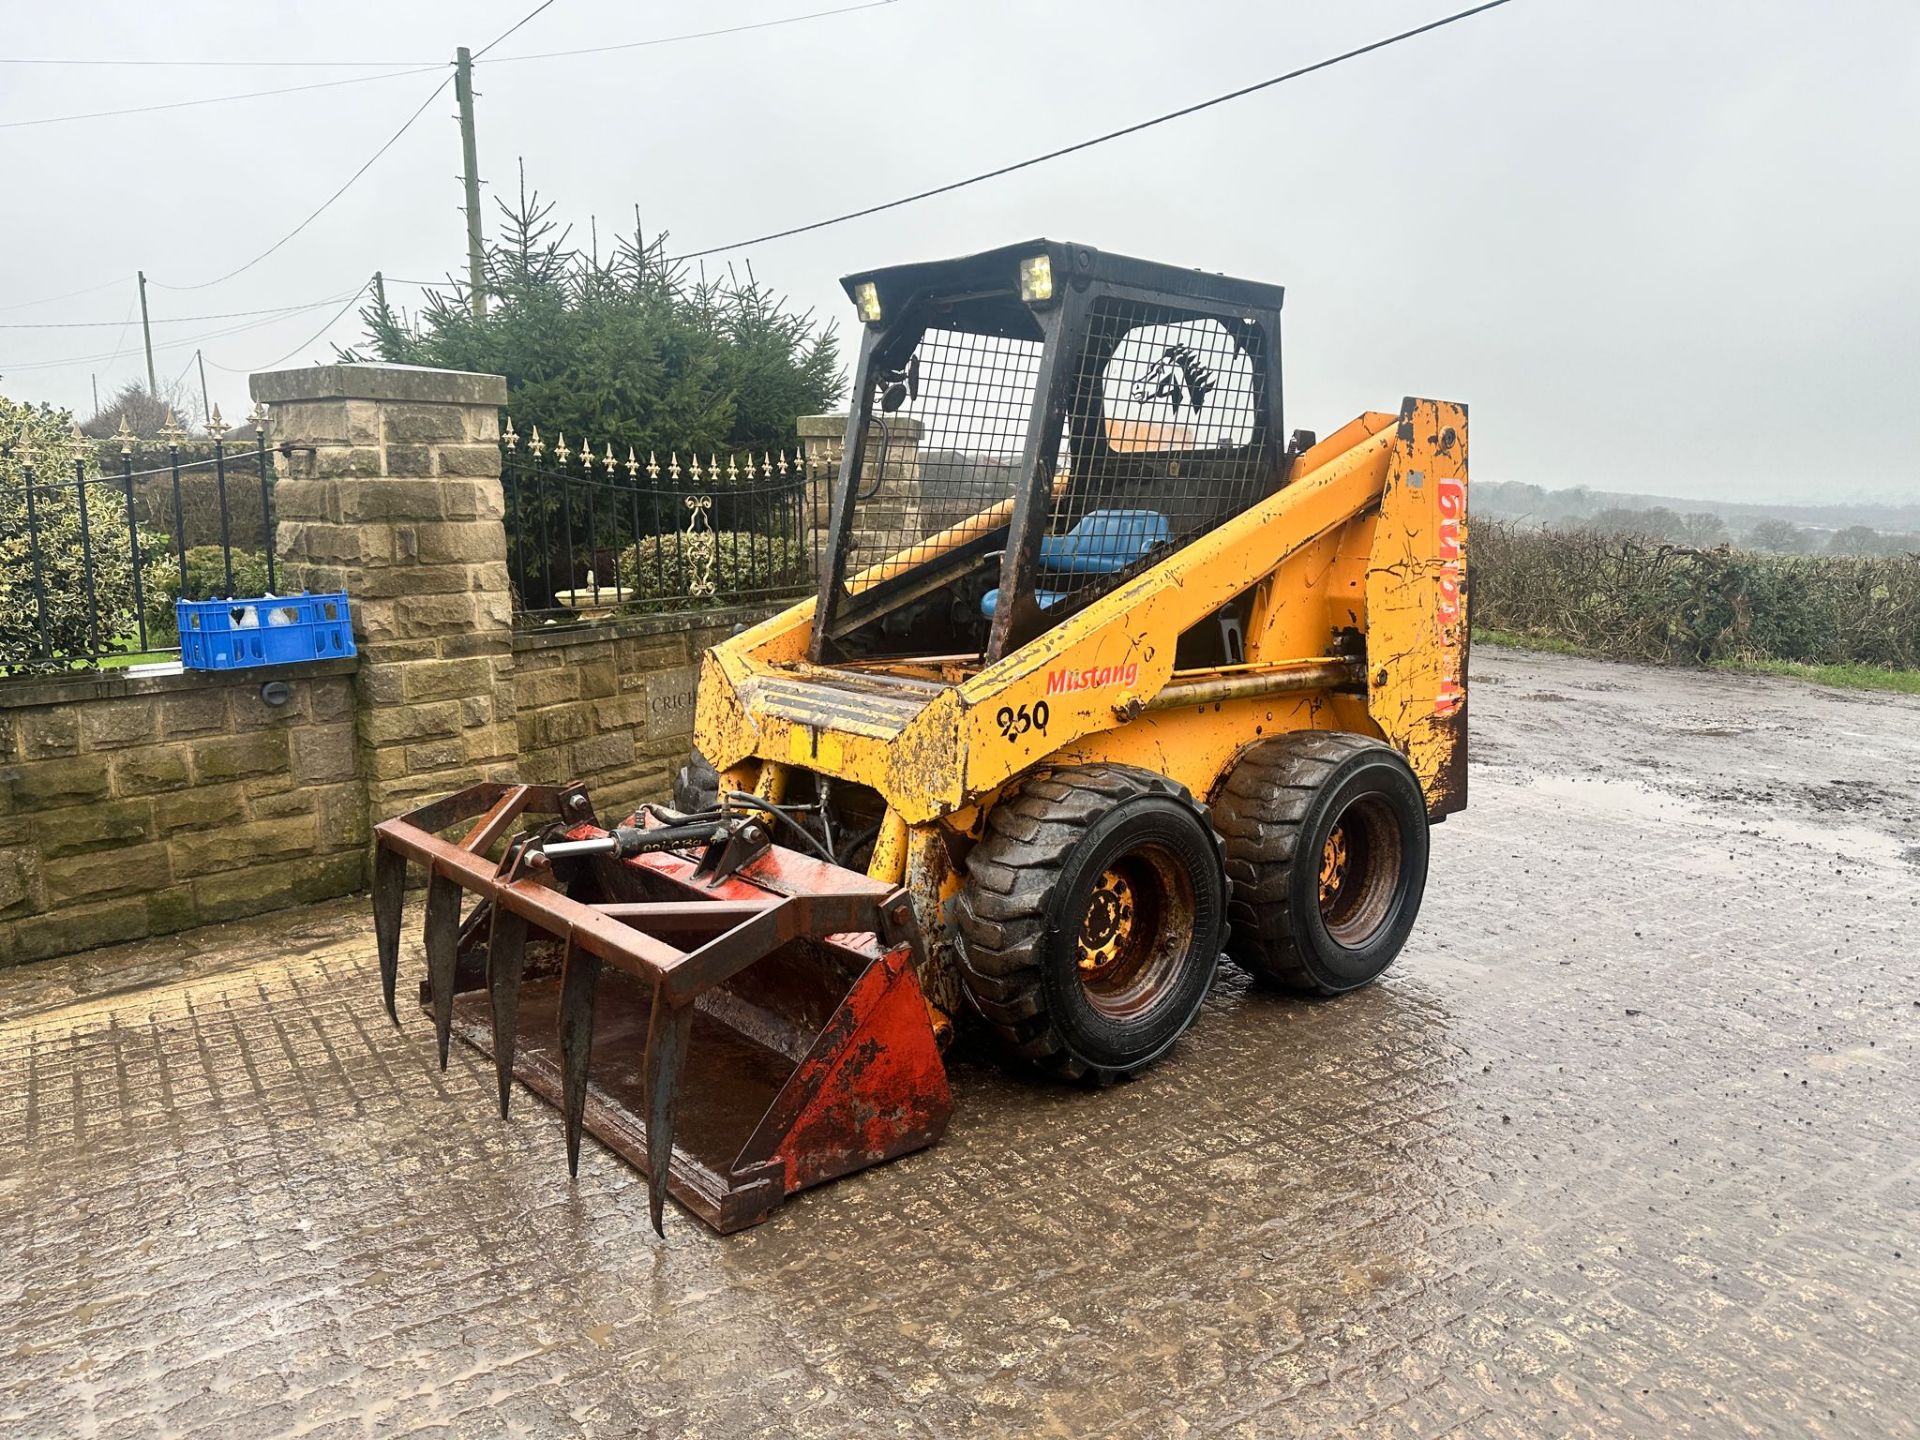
91	561
589	534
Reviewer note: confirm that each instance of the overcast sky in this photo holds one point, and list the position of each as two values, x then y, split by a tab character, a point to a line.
1663	245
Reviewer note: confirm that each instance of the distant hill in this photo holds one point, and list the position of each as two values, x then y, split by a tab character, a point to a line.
1511	500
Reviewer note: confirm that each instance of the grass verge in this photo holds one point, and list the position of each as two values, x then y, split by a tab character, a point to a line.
1513	640
1850	676
124	659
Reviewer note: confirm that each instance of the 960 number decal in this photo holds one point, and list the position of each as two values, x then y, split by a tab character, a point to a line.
1015	723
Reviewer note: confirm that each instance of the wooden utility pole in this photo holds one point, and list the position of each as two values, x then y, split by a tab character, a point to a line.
206	405
146	329
470	174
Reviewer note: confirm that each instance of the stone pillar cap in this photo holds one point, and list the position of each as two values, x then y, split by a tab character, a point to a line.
418	383
834	427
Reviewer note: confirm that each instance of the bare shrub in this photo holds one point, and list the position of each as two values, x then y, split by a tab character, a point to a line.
1640	599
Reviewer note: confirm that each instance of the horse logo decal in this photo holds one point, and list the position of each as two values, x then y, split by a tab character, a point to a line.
1177	376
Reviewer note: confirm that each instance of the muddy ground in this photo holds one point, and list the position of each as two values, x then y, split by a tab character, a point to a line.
1625	1145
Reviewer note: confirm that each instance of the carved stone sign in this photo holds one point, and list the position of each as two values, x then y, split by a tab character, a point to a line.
670	702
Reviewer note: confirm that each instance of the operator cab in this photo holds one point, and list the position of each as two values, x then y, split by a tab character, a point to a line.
1031	427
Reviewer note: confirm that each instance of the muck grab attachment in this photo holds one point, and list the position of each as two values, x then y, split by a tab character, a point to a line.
737	1020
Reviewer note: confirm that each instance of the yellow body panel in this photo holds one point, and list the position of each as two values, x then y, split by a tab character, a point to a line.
1368	538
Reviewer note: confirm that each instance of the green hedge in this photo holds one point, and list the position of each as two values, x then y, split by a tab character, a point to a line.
1638	599
206	578
738	563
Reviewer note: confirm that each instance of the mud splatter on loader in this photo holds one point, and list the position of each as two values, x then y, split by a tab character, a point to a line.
1109	680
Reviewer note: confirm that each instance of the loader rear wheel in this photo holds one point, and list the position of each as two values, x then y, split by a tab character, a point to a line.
1326	840
1092	917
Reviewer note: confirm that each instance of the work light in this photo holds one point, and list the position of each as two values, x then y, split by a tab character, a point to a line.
1036	279
866	299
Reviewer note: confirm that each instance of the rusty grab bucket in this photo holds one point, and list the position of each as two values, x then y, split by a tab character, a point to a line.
737	1020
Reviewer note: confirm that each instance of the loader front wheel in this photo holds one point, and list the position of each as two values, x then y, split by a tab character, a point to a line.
1326	840
1092	919
696	785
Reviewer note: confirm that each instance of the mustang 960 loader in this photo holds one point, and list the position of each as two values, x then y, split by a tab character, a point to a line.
1106	675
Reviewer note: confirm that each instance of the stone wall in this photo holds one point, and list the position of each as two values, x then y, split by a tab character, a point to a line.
139	806
611	705
134	806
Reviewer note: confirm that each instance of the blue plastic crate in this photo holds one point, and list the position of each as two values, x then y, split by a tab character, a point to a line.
273	630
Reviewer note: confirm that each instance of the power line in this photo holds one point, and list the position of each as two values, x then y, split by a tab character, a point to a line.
188	340
391	139
511	28
213	99
407	125
695	34
392	66
168	320
49	299
304	343
175	385
215	64
120	340
1184	110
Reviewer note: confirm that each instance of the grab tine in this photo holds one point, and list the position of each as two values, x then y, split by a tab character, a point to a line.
579	977
667	1033
506	960
389	892
443	949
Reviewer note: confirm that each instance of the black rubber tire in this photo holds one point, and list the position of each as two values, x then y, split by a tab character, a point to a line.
1030	887
1275	811
696	785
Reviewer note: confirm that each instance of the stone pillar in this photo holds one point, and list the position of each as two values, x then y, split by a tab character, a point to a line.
389	489
890	508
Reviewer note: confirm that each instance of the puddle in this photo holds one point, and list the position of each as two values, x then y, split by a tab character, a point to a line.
1640	801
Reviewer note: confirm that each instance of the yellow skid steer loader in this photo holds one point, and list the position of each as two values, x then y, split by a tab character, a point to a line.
1106	676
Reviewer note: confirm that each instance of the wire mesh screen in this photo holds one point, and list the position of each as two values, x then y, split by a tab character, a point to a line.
1165	438
948	450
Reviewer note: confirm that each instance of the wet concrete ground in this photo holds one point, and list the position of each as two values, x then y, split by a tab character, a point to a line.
1625	1145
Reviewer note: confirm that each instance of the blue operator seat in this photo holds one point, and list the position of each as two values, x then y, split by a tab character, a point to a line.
1105	541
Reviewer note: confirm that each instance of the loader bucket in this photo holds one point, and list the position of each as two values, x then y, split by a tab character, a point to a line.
736	1039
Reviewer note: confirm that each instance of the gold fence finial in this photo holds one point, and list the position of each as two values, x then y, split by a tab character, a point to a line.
560	452
124	435
536	447
633	464
609	463
258	419
171	432
509	437
653	466
23	447
216	427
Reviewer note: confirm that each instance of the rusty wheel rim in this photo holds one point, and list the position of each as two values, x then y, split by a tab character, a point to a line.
1333	865
1132	935
1360	865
